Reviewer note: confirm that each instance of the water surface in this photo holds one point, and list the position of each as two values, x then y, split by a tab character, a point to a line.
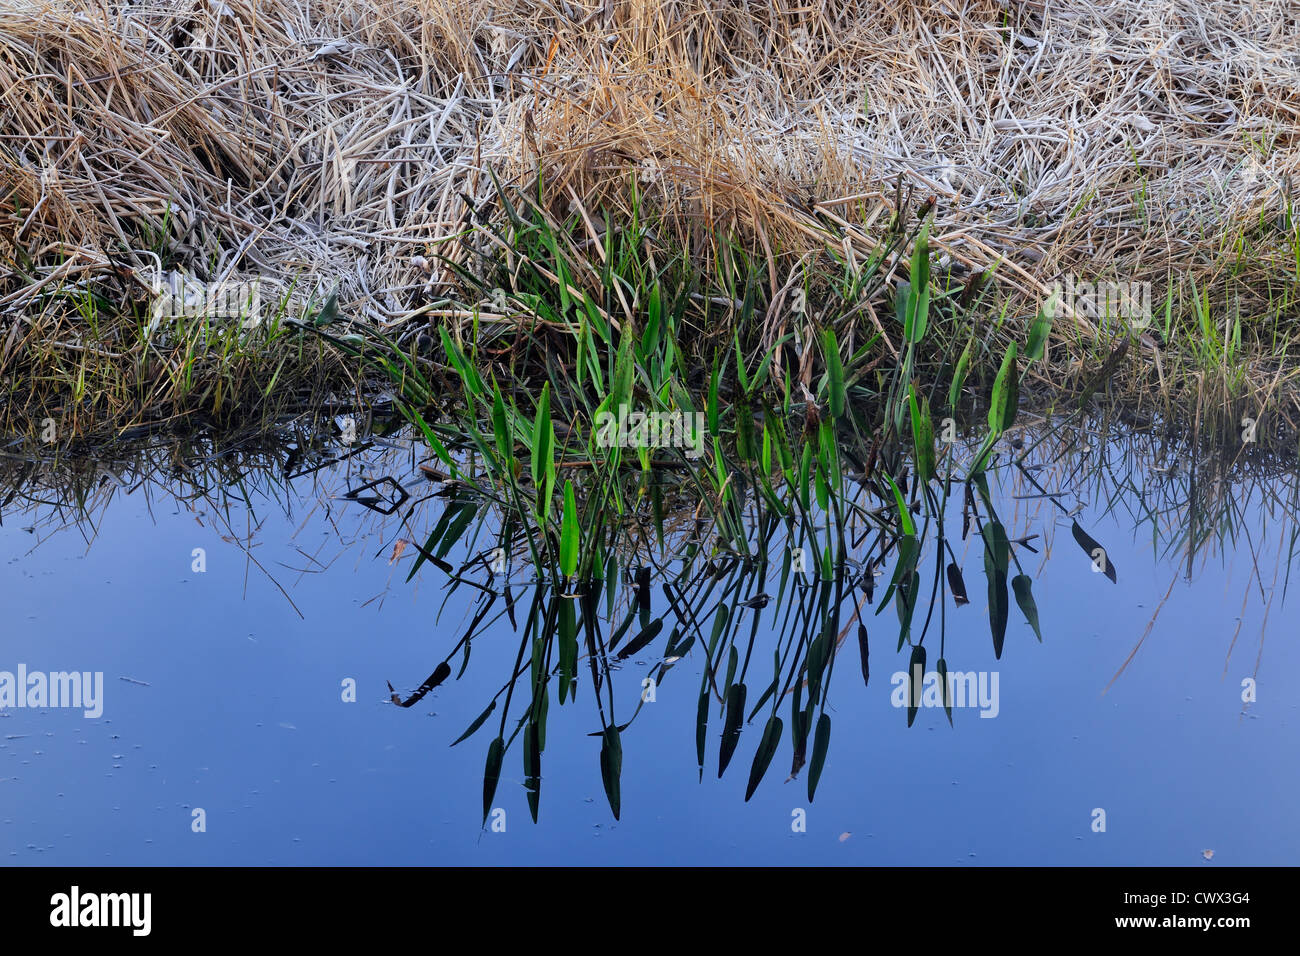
225	689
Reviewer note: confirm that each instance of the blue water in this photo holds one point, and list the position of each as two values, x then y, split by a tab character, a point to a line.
243	714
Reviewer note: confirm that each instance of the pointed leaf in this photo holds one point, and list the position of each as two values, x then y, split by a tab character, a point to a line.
533	767
1099	556
1003	385
821	743
915	677
942	669
611	767
957	584
569	532
918	304
1038	332
922	436
478	722
735	715
865	653
542	433
834	373
763	757
998	601
642	639
492	774
1020	584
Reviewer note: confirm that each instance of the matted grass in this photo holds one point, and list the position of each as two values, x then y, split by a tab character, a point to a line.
347	145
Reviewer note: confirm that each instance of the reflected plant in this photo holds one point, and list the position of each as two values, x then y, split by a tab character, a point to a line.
771	480
673	587
817	474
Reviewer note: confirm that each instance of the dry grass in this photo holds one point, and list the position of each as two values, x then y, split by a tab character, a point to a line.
337	142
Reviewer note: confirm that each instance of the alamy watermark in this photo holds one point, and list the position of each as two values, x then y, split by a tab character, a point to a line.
965	689
177	295
671	429
1101	301
128	910
76	689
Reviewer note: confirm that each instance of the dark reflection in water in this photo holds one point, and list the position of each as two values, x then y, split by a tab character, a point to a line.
869	684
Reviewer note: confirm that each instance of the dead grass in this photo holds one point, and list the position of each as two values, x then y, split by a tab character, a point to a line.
337	142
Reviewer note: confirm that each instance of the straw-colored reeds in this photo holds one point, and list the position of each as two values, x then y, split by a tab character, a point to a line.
336	143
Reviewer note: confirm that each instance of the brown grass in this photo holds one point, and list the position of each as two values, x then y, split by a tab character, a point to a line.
336	142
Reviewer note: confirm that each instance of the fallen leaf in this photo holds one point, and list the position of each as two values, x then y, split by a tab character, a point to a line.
1208	854
845	835
398	549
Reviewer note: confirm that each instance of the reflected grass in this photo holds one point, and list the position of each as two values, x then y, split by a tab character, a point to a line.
755	597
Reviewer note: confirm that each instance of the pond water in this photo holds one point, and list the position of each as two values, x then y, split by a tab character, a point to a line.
232	610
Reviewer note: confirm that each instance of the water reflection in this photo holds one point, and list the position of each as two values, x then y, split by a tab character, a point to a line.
752	612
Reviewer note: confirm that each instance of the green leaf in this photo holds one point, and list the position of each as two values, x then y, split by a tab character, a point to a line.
1039	329
712	405
864	653
1020	584
942	669
904	515
543	433
642	639
451	511
805	464
799	719
908	549
569	532
501	427
741	375
1000	415
492	774
438	447
478	722
995	539
957	584
922	436
819	655
611	767
567	627
1100	556
905	598
1013	396
468	373
821	743
903	305
328	313
533	767
995	570
719	625
701	725
763	757
456	528
959	376
915	677
834	373
735	715
918	304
